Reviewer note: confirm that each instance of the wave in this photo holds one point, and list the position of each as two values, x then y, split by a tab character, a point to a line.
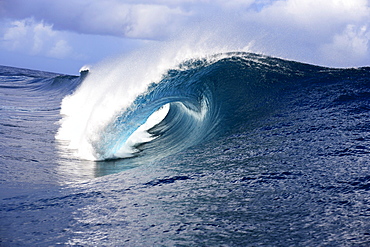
123	114
40	81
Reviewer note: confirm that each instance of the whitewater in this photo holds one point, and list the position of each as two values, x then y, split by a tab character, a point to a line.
186	149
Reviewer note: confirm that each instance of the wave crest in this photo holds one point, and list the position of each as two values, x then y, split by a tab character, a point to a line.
112	117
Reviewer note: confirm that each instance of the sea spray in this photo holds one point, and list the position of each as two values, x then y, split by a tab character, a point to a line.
112	86
106	90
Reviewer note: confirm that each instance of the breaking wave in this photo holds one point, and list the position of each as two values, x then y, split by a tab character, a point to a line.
149	112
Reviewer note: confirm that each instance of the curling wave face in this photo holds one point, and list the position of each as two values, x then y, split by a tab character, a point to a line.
113	116
172	114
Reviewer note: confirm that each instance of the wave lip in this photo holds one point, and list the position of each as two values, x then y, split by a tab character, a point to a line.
199	99
170	116
110	118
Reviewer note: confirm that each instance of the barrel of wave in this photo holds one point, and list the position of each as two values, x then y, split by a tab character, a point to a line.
108	89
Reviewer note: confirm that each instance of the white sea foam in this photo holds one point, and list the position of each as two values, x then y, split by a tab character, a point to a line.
112	86
108	89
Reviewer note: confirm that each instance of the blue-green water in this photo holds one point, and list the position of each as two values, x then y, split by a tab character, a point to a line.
254	151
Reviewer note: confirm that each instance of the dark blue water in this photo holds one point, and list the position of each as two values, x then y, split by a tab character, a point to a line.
254	151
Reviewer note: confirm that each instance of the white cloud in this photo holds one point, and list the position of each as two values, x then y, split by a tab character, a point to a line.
310	30
152	21
12	38
60	49
34	38
330	32
134	19
351	45
315	13
317	20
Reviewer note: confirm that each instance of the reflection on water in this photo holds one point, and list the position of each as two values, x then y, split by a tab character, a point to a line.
103	168
73	170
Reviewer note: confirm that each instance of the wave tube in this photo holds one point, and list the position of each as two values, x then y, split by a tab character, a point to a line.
100	118
112	115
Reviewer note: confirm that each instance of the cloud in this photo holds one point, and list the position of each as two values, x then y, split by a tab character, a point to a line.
34	38
60	49
315	31
158	19
330	32
310	13
110	17
351	45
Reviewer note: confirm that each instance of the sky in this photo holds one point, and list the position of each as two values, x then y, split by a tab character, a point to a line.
64	35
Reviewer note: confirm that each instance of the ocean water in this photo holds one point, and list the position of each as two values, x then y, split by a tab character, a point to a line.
234	149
